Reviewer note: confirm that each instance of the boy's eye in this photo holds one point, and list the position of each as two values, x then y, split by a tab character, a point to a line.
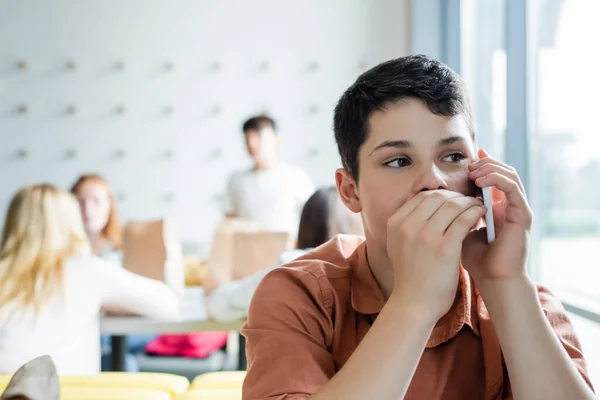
399	162
454	157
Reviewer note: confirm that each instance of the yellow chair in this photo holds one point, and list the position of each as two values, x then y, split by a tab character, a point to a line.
168	383
211	394
219	380
93	393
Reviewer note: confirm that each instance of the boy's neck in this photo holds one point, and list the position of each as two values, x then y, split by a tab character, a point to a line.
382	271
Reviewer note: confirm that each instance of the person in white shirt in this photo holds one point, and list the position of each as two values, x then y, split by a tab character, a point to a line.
52	288
270	193
323	217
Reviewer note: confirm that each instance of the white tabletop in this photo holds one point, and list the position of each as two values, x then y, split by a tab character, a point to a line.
192	318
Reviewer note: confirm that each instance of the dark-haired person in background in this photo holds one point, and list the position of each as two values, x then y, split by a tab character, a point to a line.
423	308
323	217
270	193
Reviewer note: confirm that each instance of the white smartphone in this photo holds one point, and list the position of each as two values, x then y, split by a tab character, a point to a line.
486	194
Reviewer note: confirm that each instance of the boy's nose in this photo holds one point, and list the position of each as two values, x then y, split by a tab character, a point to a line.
430	179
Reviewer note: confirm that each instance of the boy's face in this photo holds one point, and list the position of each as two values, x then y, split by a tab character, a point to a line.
261	144
408	149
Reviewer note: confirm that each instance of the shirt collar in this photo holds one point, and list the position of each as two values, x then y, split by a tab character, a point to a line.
367	298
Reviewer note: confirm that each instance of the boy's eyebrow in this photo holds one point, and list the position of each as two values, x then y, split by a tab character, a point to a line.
404	144
450	140
398	144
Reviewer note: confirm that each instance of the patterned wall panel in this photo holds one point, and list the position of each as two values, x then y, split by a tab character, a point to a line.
152	94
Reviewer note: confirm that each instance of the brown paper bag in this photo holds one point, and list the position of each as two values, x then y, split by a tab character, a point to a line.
153	249
253	251
240	248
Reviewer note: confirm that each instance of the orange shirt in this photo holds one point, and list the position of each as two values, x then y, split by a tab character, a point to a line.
306	320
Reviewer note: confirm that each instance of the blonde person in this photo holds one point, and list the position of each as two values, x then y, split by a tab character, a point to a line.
323	217
53	288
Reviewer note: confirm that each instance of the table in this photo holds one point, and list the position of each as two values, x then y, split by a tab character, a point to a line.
192	318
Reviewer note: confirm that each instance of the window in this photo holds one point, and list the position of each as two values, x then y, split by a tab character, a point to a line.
483	67
588	333
565	144
549	49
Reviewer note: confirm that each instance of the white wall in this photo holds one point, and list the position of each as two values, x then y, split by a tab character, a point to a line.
342	37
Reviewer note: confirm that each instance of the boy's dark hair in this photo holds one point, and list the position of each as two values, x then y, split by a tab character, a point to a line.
417	77
257	123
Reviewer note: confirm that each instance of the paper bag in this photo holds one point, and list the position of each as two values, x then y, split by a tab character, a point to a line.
153	249
253	251
240	248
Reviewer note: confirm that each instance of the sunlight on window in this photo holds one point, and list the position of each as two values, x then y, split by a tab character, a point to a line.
567	143
483	67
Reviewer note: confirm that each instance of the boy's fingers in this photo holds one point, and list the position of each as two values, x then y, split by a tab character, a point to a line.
449	211
463	224
428	207
411	205
485	158
509	187
505	170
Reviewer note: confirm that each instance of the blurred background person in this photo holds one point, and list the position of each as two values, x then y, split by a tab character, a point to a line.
53	288
100	216
271	192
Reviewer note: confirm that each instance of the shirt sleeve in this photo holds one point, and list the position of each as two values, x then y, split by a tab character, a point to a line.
559	320
288	334
122	289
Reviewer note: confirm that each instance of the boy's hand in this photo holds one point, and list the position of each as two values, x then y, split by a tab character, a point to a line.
506	257
424	241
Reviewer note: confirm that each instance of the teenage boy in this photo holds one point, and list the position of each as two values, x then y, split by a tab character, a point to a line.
423	308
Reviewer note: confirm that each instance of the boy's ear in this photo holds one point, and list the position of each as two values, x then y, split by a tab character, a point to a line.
348	190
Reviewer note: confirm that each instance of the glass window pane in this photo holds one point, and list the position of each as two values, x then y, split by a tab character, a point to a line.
588	333
565	165
483	67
